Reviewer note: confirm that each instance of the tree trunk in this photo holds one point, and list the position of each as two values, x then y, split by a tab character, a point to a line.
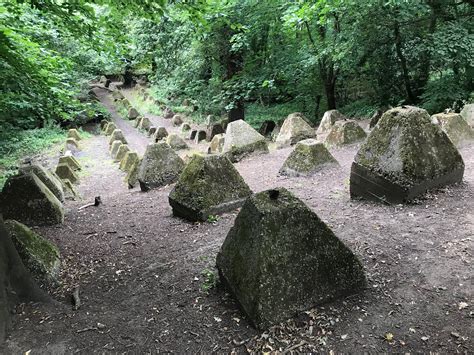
406	77
329	76
234	64
16	283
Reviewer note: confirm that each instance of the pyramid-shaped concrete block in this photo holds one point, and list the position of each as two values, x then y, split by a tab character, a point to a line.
308	157
176	142
72	145
329	119
145	124
404	155
208	186
161	133
468	114
47	178
71	161
65	172
110	128
293	130
131	179
73	133
132	113
455	127
160	166
41	257
123	149
117	135
280	259
26	199
114	148
344	133
137	121
217	144
241	140
128	160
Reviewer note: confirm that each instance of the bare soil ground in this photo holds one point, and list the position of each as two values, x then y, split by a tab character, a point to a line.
142	272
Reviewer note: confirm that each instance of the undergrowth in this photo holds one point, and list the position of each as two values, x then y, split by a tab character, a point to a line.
17	144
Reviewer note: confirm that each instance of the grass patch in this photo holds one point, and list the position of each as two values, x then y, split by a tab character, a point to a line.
256	113
17	144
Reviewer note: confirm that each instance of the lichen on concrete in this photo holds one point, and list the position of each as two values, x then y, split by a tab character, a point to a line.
207	186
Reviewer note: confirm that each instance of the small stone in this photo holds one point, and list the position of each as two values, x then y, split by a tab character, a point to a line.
185	127
152	131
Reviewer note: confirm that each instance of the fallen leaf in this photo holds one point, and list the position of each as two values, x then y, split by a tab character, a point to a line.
344	336
388	336
455	335
463	305
425	338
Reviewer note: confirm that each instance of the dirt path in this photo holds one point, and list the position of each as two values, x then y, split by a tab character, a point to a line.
140	270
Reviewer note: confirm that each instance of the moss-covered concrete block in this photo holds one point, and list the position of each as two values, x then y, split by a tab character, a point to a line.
404	155
160	134
456	127
132	113
114	148
132	175
73	133
214	129
103	124
201	135
160	166
344	133
123	149
217	144
177	120
308	157
117	95
294	129
39	256
110	128
241	140
145	124
329	119
70	190
26	199
137	121
185	127
207	186
72	145
128	160
117	135
51	182
71	161
151	132
65	172
176	142
280	258
468	114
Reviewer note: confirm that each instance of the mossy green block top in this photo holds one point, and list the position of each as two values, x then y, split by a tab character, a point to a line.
207	186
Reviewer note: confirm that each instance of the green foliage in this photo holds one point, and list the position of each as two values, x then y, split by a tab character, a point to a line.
210	279
15	144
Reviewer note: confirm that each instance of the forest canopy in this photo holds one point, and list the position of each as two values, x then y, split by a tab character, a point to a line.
238	56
